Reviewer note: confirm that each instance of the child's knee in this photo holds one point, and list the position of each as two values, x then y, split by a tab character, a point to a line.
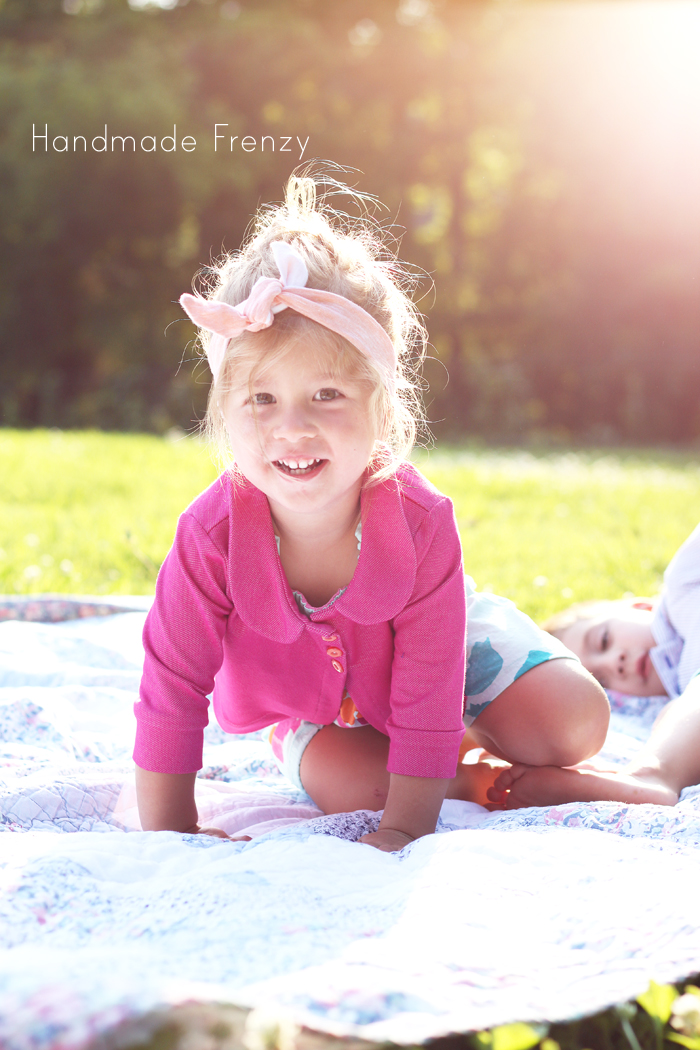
583	715
556	714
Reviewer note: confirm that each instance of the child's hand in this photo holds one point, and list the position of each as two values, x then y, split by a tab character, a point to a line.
388	840
216	833
411	810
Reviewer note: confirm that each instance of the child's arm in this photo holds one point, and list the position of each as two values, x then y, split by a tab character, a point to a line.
166	801
183	643
412	809
425	727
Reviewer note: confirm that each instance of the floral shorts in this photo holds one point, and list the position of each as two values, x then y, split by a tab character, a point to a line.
290	737
503	643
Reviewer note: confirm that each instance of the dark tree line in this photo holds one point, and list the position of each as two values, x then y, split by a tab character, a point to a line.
552	202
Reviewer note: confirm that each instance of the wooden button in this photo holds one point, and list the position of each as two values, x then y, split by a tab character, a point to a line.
334	652
337	666
329	637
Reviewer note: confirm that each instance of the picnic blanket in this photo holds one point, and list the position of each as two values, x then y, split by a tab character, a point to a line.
534	914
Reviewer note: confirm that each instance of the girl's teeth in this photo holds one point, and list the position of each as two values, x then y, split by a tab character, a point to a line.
298	464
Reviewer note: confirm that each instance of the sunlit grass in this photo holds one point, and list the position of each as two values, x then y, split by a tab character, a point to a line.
93	513
551	529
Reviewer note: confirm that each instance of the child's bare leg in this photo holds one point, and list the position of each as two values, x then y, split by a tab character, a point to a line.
556	714
345	769
668	762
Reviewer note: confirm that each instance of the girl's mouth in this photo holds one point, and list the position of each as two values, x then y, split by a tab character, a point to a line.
299	468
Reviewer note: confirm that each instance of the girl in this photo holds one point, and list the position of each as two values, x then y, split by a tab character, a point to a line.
318	583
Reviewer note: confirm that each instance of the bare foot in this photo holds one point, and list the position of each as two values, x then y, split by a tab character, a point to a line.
522	785
474	780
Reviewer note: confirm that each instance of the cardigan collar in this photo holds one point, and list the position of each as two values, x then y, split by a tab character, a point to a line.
381	585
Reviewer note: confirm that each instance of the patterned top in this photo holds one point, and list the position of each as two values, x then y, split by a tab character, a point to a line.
299	598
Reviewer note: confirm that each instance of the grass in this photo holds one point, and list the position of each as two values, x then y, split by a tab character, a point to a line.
93	513
546	530
658	1019
89	512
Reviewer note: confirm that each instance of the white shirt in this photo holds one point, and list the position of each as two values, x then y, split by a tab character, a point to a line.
676	621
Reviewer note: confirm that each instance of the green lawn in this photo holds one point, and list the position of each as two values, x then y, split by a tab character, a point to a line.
555	528
93	513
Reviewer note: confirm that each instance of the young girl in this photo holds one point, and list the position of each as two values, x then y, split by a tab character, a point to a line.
318	583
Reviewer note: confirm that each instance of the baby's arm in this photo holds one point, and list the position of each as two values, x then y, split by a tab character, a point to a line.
412	809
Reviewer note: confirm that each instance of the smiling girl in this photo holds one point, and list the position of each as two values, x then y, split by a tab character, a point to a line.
317	585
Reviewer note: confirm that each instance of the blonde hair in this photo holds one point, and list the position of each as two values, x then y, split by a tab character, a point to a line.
345	256
560	622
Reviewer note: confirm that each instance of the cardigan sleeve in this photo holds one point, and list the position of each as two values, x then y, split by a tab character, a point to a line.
183	644
427	686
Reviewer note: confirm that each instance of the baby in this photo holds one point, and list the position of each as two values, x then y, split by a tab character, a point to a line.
645	649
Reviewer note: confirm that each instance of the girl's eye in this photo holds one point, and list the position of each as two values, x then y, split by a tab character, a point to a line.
327	394
262	399
605	640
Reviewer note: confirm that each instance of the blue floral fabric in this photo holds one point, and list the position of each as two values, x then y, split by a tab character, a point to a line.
502	644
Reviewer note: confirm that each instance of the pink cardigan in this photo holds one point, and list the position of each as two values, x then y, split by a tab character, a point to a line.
224	618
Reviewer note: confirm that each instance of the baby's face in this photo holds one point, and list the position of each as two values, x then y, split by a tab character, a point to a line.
614	646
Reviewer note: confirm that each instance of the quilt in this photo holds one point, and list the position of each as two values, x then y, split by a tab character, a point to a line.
546	913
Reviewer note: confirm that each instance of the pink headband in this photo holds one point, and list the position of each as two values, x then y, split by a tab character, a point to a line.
270	295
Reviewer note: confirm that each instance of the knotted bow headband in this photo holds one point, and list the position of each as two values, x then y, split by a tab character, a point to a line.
270	295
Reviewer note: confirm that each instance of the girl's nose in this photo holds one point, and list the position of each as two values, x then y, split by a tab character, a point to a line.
293	423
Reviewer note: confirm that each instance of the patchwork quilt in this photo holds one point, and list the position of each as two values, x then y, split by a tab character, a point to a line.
536	914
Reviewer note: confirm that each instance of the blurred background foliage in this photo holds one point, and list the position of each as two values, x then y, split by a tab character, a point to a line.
539	161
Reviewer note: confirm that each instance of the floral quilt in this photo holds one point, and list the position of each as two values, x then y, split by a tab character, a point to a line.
537	914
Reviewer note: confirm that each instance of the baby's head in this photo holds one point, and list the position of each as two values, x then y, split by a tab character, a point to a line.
343	257
612	639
